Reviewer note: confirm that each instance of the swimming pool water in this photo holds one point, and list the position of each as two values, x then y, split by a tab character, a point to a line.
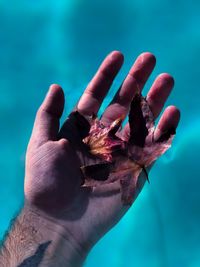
44	42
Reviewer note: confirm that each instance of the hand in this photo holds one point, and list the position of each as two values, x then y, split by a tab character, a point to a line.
53	180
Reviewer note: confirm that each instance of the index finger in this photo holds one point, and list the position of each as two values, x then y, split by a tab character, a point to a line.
97	89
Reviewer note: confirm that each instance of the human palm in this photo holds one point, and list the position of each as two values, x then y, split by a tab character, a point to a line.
54	181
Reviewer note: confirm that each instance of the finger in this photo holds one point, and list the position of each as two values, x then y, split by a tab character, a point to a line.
134	82
46	124
159	93
168	122
98	87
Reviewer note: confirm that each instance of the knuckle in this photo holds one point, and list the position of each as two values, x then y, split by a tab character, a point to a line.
63	143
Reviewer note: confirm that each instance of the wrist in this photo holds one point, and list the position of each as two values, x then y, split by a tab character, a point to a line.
63	249
35	240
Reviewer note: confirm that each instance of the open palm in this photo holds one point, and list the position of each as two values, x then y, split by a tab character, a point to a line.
53	181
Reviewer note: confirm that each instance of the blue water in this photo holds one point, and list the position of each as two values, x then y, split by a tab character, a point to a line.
44	42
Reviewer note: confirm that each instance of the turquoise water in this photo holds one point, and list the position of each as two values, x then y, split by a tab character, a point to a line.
44	42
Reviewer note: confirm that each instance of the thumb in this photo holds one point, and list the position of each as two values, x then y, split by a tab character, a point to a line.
47	120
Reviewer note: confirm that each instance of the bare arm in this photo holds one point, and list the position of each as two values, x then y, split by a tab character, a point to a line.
33	240
62	219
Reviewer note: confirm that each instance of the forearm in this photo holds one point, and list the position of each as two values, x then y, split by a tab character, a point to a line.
35	242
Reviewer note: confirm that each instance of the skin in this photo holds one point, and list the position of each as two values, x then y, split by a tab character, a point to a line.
53	179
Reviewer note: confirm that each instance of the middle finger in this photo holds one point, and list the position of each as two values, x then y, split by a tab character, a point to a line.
134	82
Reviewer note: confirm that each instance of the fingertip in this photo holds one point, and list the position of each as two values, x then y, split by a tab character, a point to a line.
46	125
142	68
110	65
174	114
54	85
173	109
115	59
169	119
167	78
54	100
116	54
56	89
148	56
